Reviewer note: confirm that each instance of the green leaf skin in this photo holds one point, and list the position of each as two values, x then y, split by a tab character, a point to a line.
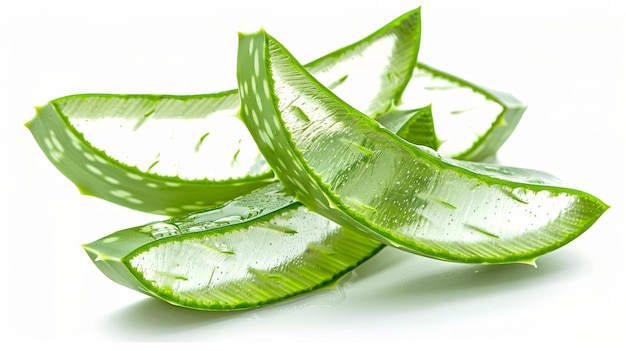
258	249
415	126
345	166
181	161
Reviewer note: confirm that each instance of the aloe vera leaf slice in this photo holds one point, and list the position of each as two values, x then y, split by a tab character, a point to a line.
134	180
344	166
415	126
176	154
261	248
472	122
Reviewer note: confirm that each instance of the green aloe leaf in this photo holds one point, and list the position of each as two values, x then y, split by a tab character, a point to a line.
152	153
190	152
261	248
472	121
345	166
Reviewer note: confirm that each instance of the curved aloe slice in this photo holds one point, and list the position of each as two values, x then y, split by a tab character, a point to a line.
195	149
473	122
346	167
166	165
258	249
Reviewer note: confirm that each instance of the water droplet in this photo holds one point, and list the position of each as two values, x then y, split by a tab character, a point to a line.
229	219
534	180
251	212
496	169
160	230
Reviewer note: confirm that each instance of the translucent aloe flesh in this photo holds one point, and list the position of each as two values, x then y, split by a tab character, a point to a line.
258	249
180	160
345	166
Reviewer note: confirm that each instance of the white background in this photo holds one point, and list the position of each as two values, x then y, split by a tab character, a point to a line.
565	59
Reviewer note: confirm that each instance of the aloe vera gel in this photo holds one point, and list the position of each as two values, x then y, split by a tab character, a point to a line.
325	164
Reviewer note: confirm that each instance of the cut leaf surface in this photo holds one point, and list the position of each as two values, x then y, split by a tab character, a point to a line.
194	149
258	249
343	165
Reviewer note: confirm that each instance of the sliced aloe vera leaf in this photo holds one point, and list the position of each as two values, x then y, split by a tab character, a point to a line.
415	126
194	149
348	168
472	121
89	138
258	249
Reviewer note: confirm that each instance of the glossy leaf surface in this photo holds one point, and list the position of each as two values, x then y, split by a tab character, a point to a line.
345	166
